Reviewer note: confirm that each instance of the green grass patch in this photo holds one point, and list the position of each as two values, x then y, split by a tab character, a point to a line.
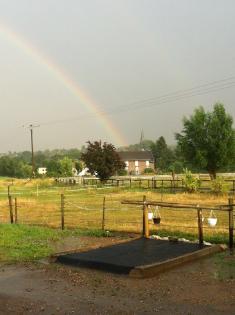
225	266
25	243
22	243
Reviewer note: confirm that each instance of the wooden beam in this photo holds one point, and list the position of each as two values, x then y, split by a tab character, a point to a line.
152	270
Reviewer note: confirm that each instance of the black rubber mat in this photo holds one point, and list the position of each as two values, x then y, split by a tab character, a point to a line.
123	257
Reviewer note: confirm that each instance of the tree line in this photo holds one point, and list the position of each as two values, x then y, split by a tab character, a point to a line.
59	162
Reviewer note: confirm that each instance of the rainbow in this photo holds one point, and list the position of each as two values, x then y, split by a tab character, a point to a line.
64	78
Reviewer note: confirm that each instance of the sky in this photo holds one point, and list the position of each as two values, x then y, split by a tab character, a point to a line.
105	70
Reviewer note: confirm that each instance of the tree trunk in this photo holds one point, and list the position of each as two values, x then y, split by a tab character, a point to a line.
212	174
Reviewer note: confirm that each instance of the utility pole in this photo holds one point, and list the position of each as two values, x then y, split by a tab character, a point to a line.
31	128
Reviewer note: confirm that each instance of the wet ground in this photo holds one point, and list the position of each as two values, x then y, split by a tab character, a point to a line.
55	289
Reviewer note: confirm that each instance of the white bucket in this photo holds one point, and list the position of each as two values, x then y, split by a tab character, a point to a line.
212	221
150	215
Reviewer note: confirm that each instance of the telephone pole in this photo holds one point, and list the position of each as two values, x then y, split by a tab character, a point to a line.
31	128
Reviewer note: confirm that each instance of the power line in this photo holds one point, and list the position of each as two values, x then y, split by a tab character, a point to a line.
217	82
207	88
173	99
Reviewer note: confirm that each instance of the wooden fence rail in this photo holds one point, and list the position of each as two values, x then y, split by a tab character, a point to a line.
172	185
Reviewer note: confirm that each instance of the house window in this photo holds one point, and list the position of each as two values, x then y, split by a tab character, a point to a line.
137	170
147	163
127	163
136	163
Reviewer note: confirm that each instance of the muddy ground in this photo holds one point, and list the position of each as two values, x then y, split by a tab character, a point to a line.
194	288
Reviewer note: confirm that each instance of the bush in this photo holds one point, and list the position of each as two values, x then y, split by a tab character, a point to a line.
122	172
219	186
176	167
190	182
148	170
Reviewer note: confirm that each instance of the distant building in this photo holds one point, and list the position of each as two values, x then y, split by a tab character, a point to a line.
137	161
42	170
84	172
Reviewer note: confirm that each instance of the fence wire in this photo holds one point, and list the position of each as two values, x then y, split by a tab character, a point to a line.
94	212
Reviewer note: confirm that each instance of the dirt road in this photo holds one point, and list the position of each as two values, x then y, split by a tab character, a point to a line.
55	289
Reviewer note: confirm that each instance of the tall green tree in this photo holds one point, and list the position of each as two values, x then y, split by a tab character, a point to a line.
57	168
163	155
65	167
207	140
102	159
52	168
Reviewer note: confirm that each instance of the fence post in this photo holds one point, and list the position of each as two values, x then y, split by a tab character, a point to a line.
162	191
200	226
145	219
144	200
16	211
62	210
8	190
103	217
231	223
11	209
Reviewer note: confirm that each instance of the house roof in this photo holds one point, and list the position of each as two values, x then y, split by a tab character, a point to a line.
136	155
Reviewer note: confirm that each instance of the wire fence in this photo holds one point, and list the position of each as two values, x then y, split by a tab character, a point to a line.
107	212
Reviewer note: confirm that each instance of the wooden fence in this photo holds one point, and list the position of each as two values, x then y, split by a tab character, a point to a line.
66	211
169	185
228	208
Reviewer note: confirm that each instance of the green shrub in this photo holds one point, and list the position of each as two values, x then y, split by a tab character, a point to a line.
219	186
190	182
176	167
122	172
148	170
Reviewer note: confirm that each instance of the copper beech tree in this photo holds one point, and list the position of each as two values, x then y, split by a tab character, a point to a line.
102	159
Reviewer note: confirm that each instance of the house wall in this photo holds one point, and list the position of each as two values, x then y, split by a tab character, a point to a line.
138	167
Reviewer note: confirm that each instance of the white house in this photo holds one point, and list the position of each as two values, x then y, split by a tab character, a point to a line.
42	170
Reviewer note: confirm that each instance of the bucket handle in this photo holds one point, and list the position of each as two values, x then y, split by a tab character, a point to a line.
212	215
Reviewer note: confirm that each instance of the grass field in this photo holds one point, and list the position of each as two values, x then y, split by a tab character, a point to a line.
39	204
